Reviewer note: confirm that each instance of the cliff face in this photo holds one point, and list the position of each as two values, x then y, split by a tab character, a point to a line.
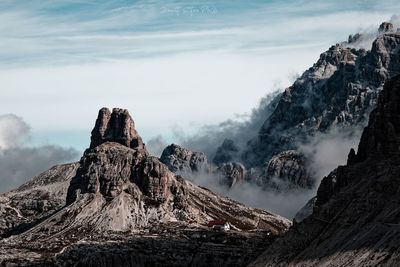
337	92
116	196
356	216
181	160
116	126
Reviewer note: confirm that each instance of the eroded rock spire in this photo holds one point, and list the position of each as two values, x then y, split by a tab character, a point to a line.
118	127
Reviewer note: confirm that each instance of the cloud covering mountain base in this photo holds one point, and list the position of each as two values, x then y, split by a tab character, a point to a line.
19	161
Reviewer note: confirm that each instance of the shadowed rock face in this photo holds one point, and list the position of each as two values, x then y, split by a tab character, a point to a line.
356	217
118	127
381	137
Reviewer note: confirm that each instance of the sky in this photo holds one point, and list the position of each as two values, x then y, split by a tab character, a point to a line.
172	64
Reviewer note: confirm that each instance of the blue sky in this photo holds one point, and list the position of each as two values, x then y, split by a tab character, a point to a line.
173	64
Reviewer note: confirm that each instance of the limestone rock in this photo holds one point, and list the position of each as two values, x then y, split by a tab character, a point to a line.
286	170
230	173
118	127
36	199
386	27
182	160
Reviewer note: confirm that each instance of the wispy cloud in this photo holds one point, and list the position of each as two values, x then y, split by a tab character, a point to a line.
60	32
157	58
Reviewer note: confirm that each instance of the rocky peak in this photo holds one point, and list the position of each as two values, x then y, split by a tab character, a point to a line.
182	160
386	27
338	91
117	127
287	170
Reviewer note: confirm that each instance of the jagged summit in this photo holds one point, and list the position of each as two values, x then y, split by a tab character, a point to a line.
336	94
386	27
118	127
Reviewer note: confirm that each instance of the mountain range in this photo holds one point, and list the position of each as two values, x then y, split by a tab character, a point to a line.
121	206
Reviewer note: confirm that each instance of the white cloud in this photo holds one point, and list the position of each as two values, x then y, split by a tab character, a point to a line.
13	131
18	162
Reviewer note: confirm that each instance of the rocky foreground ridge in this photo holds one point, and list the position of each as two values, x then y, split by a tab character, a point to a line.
356	216
119	206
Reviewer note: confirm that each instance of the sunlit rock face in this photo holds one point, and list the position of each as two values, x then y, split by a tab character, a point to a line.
116	126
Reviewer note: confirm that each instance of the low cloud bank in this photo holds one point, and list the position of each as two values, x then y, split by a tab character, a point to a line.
209	137
20	162
325	151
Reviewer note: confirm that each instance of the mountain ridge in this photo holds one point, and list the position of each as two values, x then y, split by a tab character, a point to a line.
355	218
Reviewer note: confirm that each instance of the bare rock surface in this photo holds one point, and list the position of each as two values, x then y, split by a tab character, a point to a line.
118	205
182	160
356	216
116	126
230	173
286	170
337	92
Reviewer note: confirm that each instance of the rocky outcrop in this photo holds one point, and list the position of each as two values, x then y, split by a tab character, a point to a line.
118	127
386	27
230	174
355	218
287	170
182	160
195	164
120	190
